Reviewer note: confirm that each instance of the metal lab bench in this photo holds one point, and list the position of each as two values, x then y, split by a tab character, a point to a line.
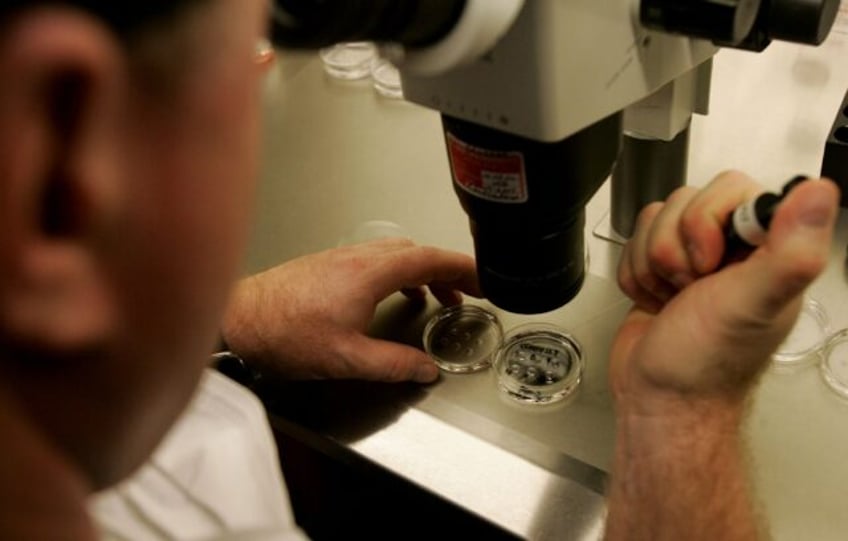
337	155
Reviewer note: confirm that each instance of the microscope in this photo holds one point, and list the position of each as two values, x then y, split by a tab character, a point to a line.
543	100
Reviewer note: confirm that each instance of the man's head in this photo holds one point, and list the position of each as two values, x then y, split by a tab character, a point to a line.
127	157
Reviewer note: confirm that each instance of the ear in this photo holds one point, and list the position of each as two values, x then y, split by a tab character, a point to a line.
63	85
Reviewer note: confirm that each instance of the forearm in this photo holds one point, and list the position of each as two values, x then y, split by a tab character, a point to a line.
681	477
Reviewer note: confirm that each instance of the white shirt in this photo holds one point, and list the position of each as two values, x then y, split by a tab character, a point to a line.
216	475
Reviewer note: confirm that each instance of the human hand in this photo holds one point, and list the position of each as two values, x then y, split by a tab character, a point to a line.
307	318
700	332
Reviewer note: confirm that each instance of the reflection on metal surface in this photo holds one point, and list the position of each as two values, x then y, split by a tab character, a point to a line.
377	422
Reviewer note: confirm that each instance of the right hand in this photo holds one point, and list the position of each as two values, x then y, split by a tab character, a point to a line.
699	330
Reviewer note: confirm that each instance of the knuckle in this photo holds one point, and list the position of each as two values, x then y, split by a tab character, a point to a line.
630	288
629	283
693	220
395	370
646	279
429	253
683	192
648	213
735	184
625	280
806	268
729	176
662	256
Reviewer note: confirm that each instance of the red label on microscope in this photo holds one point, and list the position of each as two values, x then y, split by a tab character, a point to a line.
495	175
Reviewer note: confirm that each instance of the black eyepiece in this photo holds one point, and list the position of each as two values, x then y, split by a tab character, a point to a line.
311	24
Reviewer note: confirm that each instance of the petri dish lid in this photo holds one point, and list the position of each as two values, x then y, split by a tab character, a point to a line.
386	78
807	337
834	366
539	364
349	61
463	338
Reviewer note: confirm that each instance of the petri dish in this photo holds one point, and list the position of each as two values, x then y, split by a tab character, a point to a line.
349	61
463	338
372	230
834	366
807	337
539	364
386	79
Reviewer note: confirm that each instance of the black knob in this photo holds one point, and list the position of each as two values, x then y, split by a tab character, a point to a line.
726	21
801	21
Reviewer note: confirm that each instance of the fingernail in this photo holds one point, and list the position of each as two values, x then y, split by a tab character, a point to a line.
425	373
816	209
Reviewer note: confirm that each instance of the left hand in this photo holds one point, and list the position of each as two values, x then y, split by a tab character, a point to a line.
307	318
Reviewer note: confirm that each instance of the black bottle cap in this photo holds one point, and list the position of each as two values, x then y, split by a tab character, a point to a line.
801	21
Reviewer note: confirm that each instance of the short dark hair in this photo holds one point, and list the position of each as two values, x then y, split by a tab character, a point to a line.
123	17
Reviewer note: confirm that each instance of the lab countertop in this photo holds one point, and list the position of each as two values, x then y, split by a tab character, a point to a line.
338	155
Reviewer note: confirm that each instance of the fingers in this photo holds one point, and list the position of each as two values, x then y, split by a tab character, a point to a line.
795	253
655	264
702	223
677	241
398	264
415	294
666	253
446	295
380	360
634	275
444	271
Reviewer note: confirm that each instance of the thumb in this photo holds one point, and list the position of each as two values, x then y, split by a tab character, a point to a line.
381	360
795	253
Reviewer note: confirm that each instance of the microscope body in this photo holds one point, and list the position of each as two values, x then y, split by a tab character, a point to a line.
536	97
562	66
534	127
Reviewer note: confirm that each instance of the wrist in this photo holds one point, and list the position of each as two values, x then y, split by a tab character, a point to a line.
237	332
681	474
679	425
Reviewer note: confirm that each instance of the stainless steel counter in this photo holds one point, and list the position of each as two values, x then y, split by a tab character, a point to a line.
337	155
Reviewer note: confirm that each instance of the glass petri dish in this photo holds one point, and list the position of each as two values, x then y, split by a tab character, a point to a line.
386	79
807	337
463	338
539	364
349	61
372	230
834	366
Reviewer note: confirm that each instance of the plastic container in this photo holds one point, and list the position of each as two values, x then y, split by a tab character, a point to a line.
806	339
539	364
463	338
386	79
535	363
349	61
834	366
